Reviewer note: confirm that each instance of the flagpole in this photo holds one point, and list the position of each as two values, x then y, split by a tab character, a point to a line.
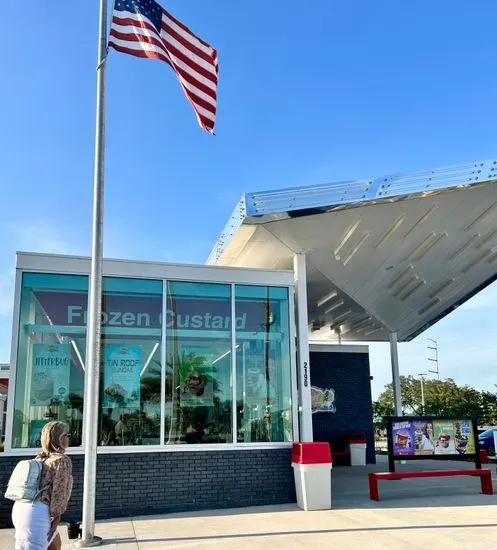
93	347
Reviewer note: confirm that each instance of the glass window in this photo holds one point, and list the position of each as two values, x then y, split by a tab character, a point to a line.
199	386
51	356
264	406
52	353
130	374
198	378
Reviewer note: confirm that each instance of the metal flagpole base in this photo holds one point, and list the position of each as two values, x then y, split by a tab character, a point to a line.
96	541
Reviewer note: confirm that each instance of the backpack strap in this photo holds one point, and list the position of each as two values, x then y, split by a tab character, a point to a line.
38	494
40	460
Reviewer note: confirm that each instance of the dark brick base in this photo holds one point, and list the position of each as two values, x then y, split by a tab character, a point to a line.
348	374
159	483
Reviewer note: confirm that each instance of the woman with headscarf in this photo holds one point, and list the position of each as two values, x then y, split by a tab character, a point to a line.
36	523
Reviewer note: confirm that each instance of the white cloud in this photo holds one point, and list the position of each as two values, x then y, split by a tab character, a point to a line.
6	291
42	236
38	237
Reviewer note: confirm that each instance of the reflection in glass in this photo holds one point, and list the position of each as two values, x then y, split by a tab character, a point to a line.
264	410
199	384
130	363
50	357
198	368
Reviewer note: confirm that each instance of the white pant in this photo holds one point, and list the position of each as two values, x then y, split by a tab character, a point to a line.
32	523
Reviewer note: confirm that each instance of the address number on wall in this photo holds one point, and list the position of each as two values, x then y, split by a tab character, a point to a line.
306	374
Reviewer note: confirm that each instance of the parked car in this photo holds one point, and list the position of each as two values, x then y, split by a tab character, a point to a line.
486	440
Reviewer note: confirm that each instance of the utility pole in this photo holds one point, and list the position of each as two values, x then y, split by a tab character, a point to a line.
434	359
422	375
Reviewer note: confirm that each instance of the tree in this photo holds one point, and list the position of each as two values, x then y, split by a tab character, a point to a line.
380	411
442	398
488	407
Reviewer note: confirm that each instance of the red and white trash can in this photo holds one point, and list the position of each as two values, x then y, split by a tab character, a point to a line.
311	464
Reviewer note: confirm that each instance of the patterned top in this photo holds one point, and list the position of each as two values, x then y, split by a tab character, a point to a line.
57	477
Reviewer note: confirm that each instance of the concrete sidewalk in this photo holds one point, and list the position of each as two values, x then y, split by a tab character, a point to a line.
421	513
469	526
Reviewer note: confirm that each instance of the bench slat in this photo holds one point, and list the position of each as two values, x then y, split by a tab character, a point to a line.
431	473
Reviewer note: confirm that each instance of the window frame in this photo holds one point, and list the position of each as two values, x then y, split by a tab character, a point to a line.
164	272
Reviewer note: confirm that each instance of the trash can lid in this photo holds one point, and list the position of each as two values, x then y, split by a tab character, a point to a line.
311	453
356	438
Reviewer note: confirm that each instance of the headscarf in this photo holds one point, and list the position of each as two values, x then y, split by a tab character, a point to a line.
50	438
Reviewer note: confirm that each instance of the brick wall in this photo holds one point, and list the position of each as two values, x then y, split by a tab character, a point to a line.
157	483
6	466
348	374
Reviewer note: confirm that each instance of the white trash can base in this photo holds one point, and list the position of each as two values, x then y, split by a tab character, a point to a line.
357	454
313	486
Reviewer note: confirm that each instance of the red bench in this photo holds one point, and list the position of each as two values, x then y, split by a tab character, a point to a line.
484	475
344	452
340	447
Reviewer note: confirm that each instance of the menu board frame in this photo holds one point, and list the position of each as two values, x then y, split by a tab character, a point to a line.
435	421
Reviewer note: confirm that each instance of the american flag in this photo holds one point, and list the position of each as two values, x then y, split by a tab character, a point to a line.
144	29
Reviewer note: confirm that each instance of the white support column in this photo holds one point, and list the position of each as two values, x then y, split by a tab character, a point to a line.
394	354
303	369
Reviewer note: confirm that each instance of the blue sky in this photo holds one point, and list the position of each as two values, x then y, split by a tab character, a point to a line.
310	92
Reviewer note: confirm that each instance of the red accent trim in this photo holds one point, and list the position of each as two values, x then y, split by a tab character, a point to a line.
484	456
311	453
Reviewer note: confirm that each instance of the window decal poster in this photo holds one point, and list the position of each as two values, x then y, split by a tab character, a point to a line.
197	389
322	400
35	430
122	376
258	381
50	375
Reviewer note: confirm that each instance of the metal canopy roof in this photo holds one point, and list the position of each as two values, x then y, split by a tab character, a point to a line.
396	253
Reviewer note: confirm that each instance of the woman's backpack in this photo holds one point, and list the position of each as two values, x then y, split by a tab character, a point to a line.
24	482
